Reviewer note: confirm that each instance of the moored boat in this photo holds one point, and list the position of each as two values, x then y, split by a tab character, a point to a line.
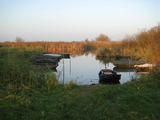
127	63
46	65
49	56
144	67
65	55
53	61
47	60
118	57
108	75
53	55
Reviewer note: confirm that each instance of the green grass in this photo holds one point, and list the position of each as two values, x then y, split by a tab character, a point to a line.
29	94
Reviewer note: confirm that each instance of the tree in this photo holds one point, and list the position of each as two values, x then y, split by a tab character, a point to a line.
19	39
86	40
102	37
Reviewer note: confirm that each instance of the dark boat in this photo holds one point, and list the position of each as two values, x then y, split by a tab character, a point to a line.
52	61
119	69
118	57
49	56
127	63
46	65
47	60
108	75
65	55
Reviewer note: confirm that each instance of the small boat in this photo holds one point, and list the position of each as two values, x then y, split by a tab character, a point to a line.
53	55
39	63
127	63
65	55
118	69
49	56
108	75
118	57
144	67
53	61
46	65
47	60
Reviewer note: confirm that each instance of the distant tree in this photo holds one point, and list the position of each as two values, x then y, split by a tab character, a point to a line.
102	37
19	39
86	40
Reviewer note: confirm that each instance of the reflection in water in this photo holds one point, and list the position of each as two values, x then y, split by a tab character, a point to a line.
105	60
84	70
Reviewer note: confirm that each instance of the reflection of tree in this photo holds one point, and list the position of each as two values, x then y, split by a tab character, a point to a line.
73	52
105	60
90	52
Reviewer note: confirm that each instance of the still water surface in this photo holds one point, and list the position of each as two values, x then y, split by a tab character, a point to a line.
84	70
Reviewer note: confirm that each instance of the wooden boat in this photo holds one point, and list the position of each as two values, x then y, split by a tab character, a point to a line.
127	63
119	69
126	57
47	60
53	55
110	82
118	57
108	75
53	61
46	65
65	55
144	67
49	56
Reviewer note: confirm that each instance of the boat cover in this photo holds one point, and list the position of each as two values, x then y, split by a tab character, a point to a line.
145	65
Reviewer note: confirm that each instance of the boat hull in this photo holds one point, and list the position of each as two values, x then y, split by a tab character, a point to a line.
108	75
44	61
109	78
52	66
65	55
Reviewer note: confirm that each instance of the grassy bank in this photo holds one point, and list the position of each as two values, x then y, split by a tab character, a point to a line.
28	93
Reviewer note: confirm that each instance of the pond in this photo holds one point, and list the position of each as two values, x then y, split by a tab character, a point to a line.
84	70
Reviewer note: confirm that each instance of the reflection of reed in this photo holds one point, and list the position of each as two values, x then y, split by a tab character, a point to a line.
73	52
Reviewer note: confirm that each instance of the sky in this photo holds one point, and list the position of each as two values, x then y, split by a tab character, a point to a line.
75	20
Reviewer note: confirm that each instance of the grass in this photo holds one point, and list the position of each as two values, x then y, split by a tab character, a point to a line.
27	93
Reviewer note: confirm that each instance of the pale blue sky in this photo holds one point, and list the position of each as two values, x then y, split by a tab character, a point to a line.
75	20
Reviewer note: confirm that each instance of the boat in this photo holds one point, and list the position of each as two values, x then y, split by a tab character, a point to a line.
110	82
118	57
49	56
108	75
46	60
65	55
46	65
119	69
127	63
144	67
53	55
53	61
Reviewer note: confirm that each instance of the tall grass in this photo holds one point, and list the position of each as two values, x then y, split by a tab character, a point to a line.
18	76
17	71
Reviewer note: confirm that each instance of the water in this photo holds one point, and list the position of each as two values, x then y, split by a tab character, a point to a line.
84	70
